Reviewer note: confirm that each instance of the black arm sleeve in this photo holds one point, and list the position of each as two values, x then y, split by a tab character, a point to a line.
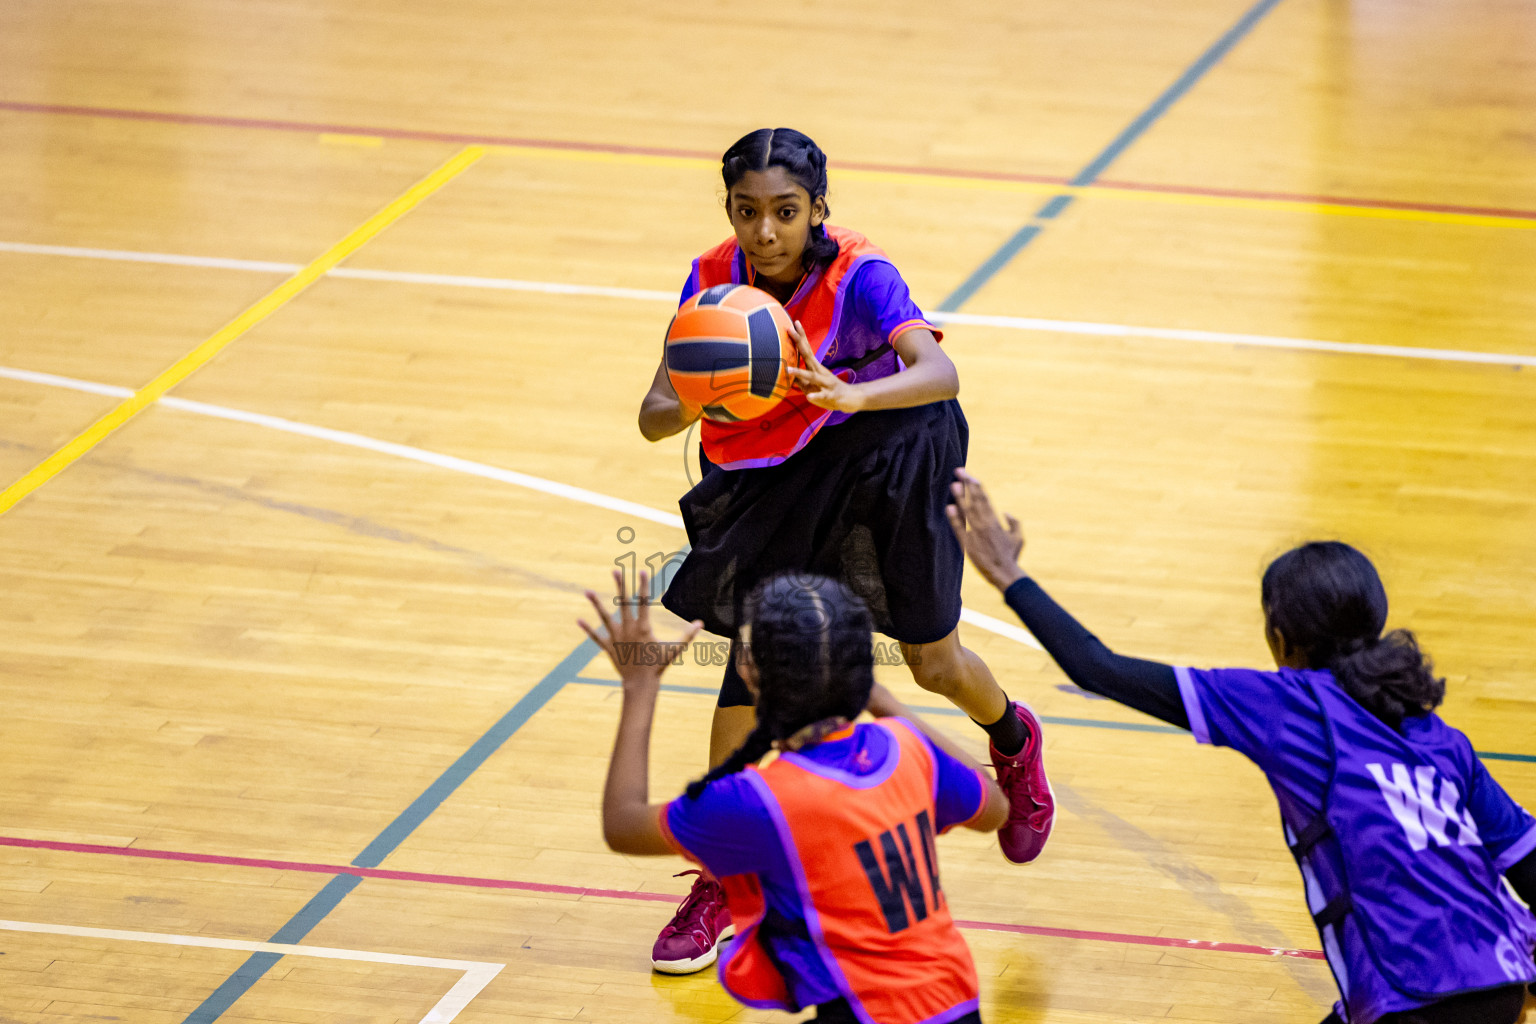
1522	878
1147	686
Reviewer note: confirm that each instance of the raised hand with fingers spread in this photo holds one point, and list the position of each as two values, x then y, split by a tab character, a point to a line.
629	821
628	640
993	550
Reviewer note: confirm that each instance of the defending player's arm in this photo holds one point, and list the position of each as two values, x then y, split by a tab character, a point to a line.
662	413
1148	686
631	823
994	804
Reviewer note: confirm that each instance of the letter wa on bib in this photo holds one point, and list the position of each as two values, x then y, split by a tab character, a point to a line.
1401	861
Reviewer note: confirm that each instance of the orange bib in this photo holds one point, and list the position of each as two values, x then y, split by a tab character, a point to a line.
862	850
775	436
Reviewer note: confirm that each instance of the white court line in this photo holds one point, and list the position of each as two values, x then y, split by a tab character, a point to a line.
1001	628
448	462
507	284
73	384
134	256
1024	323
1017	323
477	974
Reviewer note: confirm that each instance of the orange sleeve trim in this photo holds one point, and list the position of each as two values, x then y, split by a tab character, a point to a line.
912	325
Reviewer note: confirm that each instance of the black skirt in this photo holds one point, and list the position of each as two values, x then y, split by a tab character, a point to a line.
862	502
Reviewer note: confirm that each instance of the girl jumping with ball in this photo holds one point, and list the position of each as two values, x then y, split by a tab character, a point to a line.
846	477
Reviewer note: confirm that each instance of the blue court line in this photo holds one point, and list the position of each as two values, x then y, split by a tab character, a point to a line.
298	926
430	800
1082	723
337	889
1089	723
1491	755
1053	207
1099	164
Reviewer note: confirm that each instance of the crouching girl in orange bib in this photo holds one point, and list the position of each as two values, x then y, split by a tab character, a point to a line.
826	854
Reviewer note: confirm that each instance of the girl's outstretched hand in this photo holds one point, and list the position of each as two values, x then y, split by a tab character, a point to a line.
993	550
629	640
822	387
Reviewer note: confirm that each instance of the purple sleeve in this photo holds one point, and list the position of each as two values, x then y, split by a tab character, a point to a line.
960	791
1261	715
882	301
691	285
1507	830
727	829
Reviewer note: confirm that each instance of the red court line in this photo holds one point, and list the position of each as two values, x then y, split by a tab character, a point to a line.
476	138
331	869
418	135
620	894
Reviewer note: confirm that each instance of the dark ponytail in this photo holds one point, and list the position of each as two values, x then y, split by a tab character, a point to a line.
807	167
810	644
1325	600
752	750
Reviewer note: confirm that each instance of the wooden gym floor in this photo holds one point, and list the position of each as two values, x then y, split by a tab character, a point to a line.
297	725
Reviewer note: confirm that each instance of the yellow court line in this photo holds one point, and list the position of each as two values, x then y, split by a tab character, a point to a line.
263	308
1046	188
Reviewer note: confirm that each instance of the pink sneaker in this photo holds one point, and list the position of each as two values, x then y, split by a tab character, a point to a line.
691	940
1022	777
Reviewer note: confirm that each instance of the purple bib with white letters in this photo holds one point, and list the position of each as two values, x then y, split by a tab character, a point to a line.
1409	904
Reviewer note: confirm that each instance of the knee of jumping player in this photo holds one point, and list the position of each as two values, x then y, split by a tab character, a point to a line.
935	668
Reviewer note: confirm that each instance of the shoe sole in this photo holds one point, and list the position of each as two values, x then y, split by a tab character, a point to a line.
698	963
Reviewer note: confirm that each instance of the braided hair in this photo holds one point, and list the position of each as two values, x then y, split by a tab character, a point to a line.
807	167
810	643
1326	600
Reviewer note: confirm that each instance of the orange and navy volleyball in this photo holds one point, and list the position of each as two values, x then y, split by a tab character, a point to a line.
729	351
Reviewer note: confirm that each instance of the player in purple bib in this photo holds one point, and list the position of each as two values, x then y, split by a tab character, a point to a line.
1403	839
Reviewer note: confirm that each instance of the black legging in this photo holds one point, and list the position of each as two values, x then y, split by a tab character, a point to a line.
1493	1006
